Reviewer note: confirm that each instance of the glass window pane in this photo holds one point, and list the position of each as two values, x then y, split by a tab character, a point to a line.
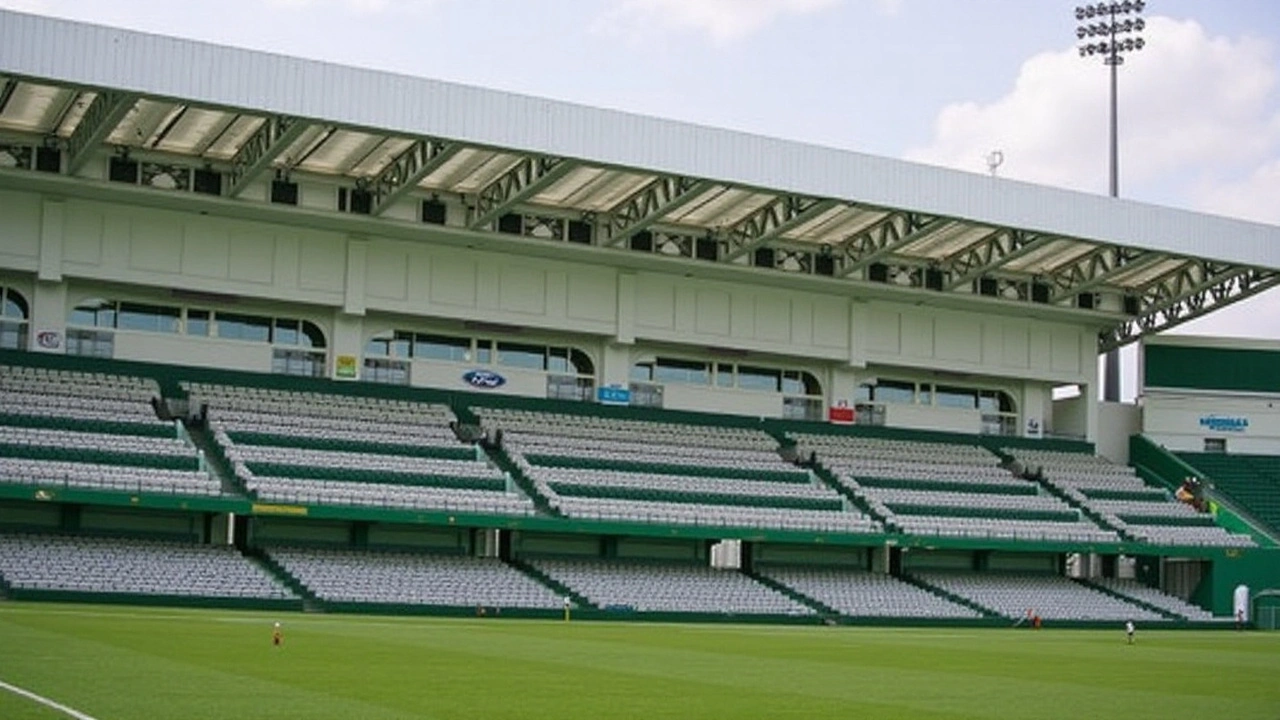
15	306
253	328
581	363
484	351
558	359
641	372
690	372
441	347
533	357
286	332
94	313
197	322
724	375
956	397
893	391
753	378
863	393
378	346
148	318
312	335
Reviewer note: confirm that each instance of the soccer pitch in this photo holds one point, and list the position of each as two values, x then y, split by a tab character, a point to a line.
118	663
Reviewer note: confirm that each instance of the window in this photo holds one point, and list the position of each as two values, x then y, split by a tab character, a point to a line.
391	372
440	347
306	363
532	357
763	379
252	328
285	332
147	318
646	395
689	372
956	397
1215	445
642	372
802	408
724	375
198	322
580	363
94	313
894	391
797	382
570	387
90	343
13	320
312	336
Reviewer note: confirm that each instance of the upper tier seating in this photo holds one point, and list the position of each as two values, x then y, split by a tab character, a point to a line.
1153	596
315	448
645	586
92	431
1125	501
1049	596
859	593
150	567
1250	481
652	472
372	576
947	489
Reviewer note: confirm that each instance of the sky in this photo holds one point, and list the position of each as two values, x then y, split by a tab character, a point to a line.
943	82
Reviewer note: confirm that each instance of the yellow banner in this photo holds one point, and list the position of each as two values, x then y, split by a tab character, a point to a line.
260	509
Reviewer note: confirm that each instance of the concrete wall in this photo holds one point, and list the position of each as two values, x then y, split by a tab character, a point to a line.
1116	423
1182	421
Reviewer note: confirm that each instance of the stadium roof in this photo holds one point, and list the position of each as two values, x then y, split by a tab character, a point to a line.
691	192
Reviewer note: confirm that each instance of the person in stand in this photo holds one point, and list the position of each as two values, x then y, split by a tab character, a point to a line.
277	635
1128	631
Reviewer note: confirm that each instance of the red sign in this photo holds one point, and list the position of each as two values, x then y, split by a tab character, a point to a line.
842	414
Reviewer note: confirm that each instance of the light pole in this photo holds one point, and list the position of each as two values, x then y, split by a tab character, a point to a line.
1110	30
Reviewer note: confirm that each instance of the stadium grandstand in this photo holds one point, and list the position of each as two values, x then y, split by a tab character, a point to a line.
297	335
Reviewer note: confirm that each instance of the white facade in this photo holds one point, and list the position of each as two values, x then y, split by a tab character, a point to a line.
61	252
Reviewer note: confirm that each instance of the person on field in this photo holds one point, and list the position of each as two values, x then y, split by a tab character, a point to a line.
277	635
1128	631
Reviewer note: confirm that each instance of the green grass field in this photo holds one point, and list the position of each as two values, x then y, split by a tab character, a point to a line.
116	663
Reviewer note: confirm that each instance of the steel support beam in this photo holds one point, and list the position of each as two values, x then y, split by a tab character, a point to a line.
529	177
990	254
7	88
96	125
1097	267
266	144
653	202
407	169
1203	298
772	221
884	238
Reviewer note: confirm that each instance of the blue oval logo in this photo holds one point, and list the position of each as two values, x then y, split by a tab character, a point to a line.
483	379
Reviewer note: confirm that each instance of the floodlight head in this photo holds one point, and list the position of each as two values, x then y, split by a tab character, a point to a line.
1139	24
1138	43
1080	13
1126	6
1138	5
1103	8
1080	33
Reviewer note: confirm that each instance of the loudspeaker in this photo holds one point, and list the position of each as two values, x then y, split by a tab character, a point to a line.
1085	301
122	170
878	272
933	279
48	159
284	192
1131	305
764	257
824	265
579	232
706	249
207	182
361	202
988	286
434	212
1039	292
511	223
642	240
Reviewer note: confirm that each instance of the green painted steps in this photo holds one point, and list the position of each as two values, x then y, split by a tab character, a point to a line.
985	611
264	560
814	604
522	481
580	600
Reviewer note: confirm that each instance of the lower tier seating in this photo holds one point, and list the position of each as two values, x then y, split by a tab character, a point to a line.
115	478
1153	596
859	593
1050	597
389	577
148	567
669	587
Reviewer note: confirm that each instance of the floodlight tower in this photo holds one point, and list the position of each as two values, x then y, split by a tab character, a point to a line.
1110	30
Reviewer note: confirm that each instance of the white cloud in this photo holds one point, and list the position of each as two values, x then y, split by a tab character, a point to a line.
723	20
1195	111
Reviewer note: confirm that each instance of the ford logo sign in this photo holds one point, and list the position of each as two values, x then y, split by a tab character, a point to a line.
483	379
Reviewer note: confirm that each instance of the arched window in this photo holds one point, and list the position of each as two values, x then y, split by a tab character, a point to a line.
14	314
